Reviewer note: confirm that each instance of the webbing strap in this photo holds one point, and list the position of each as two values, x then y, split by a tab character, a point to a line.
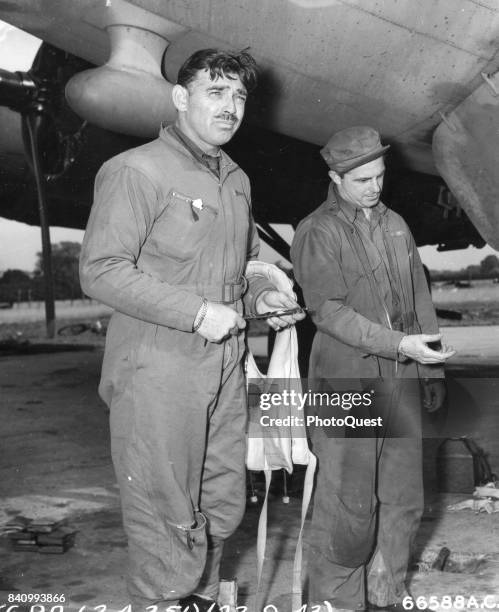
261	542
261	539
308	485
226	293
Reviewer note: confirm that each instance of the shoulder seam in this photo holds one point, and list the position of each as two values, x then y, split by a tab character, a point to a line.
127	166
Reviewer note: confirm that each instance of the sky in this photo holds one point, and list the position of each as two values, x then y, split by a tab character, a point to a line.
449	260
19	243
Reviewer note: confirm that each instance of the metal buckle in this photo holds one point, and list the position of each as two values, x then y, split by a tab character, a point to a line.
229	290
228	293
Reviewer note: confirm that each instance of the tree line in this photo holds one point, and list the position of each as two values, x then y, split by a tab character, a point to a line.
22	286
488	268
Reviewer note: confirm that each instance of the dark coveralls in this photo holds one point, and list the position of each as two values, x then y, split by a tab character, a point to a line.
366	284
165	231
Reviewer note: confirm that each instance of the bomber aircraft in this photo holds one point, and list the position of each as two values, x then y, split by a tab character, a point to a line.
424	73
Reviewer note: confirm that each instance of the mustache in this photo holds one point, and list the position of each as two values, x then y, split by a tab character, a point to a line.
227	116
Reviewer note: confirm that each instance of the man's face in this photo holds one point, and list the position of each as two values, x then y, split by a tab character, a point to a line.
210	112
362	186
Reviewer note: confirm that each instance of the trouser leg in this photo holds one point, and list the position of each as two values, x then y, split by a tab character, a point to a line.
209	583
159	429
223	488
400	495
343	520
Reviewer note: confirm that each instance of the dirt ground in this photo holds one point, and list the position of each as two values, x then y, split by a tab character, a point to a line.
55	463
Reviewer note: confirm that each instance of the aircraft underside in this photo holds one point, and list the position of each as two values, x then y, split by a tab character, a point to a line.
425	74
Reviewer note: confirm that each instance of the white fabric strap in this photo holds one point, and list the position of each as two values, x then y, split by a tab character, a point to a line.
261	539
308	485
274	452
296	599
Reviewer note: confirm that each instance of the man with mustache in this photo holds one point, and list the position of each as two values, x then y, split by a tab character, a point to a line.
166	245
357	264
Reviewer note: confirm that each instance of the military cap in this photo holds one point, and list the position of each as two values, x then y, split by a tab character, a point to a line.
352	147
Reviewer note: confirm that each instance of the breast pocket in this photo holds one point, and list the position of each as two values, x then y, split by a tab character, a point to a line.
357	267
184	226
351	267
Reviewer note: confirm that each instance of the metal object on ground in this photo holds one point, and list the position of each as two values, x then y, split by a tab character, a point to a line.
441	559
455	471
43	536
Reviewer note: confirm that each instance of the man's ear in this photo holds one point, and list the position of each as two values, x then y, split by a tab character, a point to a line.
335	177
180	96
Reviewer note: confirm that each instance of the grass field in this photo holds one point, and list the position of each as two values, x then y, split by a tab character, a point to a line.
478	305
65	309
27	321
480	291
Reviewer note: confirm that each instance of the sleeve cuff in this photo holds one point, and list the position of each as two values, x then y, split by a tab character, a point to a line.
256	286
192	306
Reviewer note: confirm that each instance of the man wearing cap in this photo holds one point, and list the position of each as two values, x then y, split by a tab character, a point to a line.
357	264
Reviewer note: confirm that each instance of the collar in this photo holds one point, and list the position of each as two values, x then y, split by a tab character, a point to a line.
350	210
197	152
190	147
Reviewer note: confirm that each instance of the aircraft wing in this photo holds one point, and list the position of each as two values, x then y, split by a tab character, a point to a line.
411	69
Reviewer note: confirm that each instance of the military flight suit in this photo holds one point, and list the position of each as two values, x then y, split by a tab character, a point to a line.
365	284
164	232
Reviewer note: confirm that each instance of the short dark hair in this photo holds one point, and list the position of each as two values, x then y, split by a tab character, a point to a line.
220	63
